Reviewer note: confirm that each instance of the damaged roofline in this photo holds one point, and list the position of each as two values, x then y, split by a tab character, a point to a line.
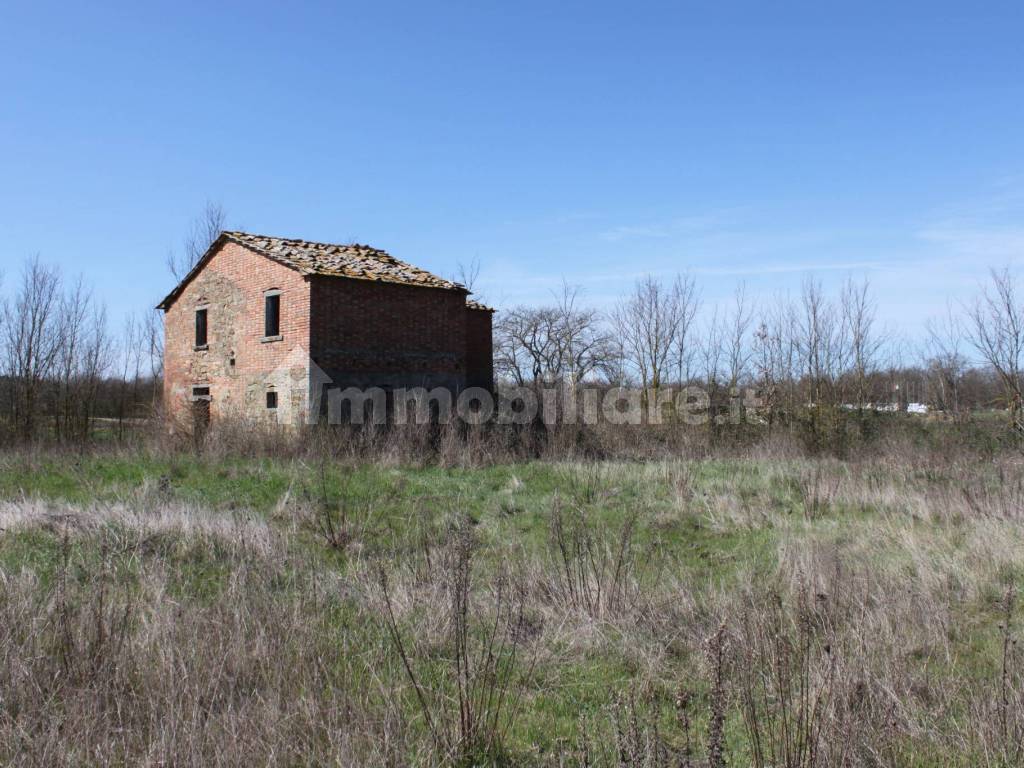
227	236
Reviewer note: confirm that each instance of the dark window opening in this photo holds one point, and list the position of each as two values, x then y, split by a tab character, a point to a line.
200	392
200	327
271	399
272	315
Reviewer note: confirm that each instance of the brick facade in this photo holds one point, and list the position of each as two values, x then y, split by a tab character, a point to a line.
370	334
479	348
359	332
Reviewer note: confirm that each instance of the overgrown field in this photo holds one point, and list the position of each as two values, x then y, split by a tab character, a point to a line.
163	610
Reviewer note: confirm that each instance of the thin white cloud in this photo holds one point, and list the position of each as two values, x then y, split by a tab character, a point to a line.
679	226
991	244
795	267
633	233
985	228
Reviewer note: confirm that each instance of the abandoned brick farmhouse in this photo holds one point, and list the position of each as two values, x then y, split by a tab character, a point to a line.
262	325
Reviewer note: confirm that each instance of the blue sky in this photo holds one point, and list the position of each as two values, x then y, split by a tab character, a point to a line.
591	141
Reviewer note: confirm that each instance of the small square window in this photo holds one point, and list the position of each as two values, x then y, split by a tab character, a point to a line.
271	400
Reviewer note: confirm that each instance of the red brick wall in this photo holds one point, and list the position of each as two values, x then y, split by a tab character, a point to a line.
232	286
479	349
366	333
361	333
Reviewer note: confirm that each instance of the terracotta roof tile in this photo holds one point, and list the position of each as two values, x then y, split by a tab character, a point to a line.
354	260
360	262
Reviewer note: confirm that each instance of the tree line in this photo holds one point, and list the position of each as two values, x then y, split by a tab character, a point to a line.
814	348
62	366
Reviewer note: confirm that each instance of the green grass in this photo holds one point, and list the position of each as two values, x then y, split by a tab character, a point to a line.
504	501
713	526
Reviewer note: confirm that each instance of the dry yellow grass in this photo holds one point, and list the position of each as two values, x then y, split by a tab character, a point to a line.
865	613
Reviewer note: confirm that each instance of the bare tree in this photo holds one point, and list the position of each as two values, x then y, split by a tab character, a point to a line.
821	343
583	344
6	388
56	353
686	344
711	349
775	353
563	341
996	329
468	274
859	310
32	332
648	323
153	338
133	352
945	360
94	360
738	352
73	315
205	228
526	349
